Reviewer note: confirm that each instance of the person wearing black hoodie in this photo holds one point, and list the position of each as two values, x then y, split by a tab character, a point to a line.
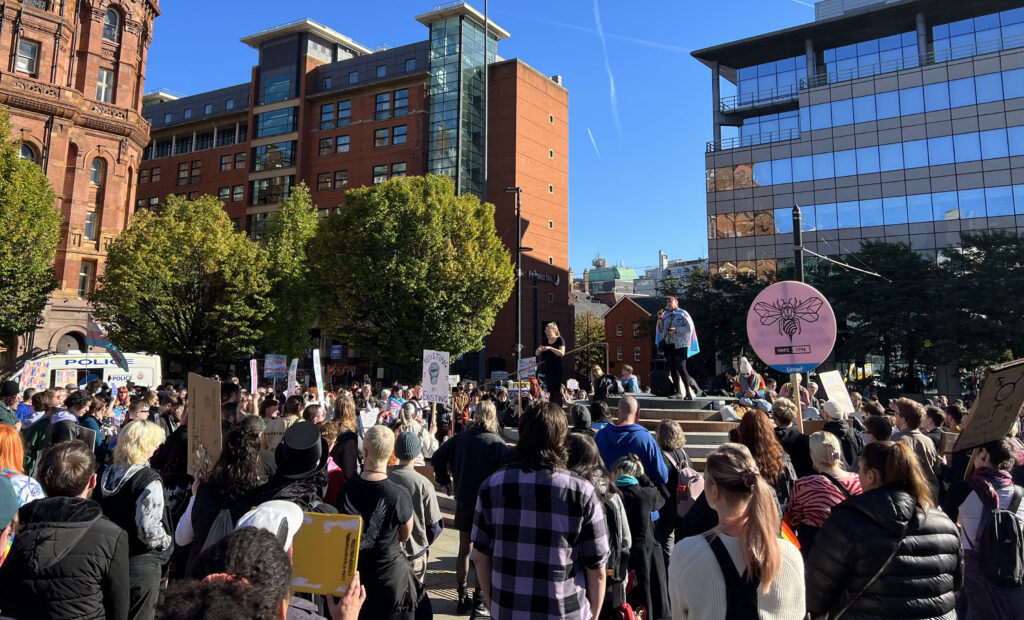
795	443
68	561
851	442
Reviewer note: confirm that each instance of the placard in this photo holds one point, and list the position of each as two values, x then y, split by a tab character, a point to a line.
435	377
204	432
791	327
293	383
836	390
275	366
33	375
335	351
453	380
325	553
253	376
572	384
64	377
996	408
530	366
319	374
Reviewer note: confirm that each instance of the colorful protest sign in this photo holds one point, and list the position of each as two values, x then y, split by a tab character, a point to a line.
325	553
435	376
791	327
836	390
528	367
253	376
33	375
64	377
204	431
996	408
319	374
275	366
293	383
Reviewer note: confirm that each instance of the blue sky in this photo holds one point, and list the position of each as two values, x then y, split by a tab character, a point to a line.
639	104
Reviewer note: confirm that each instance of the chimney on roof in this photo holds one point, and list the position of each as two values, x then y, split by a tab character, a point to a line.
662	259
557	79
586	281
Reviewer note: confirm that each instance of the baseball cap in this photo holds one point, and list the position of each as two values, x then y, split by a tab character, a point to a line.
407	446
279	517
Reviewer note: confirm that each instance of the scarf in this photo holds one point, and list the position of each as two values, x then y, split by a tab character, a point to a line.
987	481
626	481
694	345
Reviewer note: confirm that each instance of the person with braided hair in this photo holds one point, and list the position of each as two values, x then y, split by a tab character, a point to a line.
741	567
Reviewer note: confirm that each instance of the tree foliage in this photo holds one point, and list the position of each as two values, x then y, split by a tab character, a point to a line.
407	265
184	284
589	330
29	232
292	308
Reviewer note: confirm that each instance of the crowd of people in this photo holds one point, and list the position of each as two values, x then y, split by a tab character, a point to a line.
565	507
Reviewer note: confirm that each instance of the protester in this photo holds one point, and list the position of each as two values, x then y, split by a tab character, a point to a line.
68	561
25	409
909	415
756	433
786	391
472	456
64	424
741	569
749	383
388	519
12	459
603	385
92	418
8	399
301	475
887	553
877	428
599	415
628	437
676	336
427	523
540	540
168	417
550	352
346	452
132	496
814	496
219	502
722	384
630	384
646	560
792	440
850	441
580	417
931	425
972	501
406	421
671	440
8	517
314	413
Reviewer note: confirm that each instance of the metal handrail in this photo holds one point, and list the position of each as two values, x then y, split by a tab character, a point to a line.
761	138
761	97
518	373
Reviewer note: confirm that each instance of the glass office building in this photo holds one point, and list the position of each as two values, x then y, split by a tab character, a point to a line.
901	121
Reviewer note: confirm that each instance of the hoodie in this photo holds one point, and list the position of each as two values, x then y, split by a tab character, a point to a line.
132	496
618	440
68	561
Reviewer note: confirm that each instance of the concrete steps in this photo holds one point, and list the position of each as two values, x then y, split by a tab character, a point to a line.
647	402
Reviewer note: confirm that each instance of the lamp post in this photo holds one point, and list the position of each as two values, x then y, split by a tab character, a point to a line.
519	276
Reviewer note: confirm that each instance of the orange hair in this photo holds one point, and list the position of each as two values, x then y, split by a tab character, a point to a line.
12	449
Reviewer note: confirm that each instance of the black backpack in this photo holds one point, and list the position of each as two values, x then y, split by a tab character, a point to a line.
1000	542
618	557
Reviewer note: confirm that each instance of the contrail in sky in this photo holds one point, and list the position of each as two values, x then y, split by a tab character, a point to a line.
804	3
617	37
593	142
608	68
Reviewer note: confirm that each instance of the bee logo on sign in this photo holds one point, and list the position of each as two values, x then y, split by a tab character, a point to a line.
791	327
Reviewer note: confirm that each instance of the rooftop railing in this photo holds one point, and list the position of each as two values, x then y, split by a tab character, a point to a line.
761	138
768	96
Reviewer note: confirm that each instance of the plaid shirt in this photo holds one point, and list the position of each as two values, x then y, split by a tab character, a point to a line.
542	529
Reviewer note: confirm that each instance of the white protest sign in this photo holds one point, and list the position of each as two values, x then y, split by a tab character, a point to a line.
293	384
252	376
836	390
319	374
572	384
530	366
435	376
453	380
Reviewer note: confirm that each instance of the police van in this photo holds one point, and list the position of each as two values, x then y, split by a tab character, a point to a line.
80	368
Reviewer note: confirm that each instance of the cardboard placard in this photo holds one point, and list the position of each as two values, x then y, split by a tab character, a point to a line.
454	380
64	377
87	436
996	408
204	434
33	375
791	327
530	366
293	382
948	441
275	366
813	426
572	384
836	390
325	553
435	376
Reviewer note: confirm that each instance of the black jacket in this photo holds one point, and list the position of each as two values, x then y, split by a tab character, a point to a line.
798	447
850	441
921	581
472	455
346	454
67	561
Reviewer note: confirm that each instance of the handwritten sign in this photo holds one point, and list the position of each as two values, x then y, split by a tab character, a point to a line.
454	380
997	407
836	390
528	367
275	366
791	327
65	377
435	376
293	382
319	374
325	553
33	375
572	384
204	434
253	376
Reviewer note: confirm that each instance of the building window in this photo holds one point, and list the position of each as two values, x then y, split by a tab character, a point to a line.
85	275
188	113
380	138
398	169
344	113
326	146
143	176
342	145
271	191
551	224
257	226
551	189
636	354
327	83
182	174
551	260
90	226
112	26
380	174
225	136
401	102
140	203
271	156
105	86
28	57
618	330
636	330
382	70
237	193
399	134
155	175
382	107
353	77
27	153
242	129
551	154
323	181
277	89
551	118
340	179
208	109
197	171
183	144
224	193
326	116
229	104
240	161
167	118
285	120
154	202
225	162
410	64
618	354
97	172
551	298
204	141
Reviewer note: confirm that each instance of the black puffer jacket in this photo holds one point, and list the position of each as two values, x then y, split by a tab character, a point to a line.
68	561
921	581
471	456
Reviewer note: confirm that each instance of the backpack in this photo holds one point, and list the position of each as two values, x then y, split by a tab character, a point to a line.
618	556
1000	541
784	483
221	527
689	487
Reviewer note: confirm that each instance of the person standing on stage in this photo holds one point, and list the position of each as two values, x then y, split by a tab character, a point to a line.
677	336
550	352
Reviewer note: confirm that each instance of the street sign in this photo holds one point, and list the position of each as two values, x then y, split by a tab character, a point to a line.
791	327
335	351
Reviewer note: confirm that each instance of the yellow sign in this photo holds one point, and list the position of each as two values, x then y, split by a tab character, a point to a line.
325	553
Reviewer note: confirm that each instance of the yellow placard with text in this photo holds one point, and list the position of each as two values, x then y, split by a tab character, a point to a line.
325	553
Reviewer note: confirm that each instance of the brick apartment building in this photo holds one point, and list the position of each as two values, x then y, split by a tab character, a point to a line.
629	332
73	80
325	110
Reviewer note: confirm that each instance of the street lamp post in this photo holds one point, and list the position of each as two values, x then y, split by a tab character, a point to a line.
519	276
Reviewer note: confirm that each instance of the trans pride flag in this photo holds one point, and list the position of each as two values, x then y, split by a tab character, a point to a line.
694	345
94	337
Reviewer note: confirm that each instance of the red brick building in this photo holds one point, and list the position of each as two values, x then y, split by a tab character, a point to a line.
323	109
73	83
629	332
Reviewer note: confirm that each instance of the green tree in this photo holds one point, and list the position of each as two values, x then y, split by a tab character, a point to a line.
29	232
589	330
289	232
407	265
184	284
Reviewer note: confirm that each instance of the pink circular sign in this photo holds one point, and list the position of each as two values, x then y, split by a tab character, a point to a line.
791	327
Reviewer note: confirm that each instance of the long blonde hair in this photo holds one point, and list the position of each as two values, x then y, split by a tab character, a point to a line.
732	469
553	326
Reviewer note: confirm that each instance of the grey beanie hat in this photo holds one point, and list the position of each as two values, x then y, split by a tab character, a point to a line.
580	415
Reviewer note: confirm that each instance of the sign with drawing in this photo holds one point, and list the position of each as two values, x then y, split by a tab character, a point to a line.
997	407
435	376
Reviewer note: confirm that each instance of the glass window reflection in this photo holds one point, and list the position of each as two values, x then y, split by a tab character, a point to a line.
823	166
802	169
783	221
915	154
848	214
867	160
940	150
762	173
864	109
945	206
999	201
871	212
993	144
744	224
912	101
895	210
826	217
891	156
919	208
936	97
972	203
846	163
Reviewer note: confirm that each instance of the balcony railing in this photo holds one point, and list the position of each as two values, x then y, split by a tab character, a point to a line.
917	60
761	138
762	97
